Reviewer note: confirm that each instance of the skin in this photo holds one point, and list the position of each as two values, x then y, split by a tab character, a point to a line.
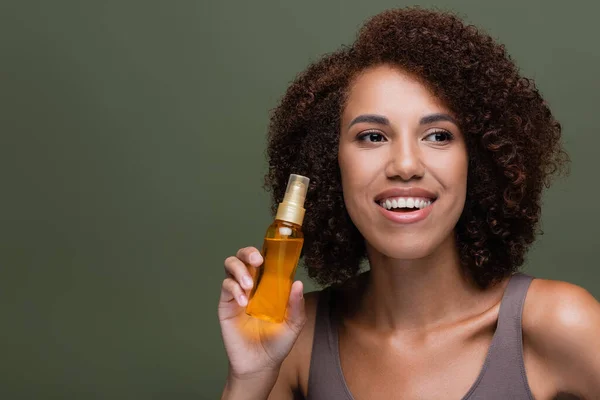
416	318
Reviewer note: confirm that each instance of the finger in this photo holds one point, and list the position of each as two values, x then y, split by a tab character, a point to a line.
250	256
237	270
231	290
295	313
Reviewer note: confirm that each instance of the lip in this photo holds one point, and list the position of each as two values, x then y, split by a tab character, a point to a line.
405	192
406	217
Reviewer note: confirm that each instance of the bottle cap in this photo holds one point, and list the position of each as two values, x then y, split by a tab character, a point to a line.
291	209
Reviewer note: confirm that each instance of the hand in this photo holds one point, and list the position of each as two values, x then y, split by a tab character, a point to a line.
255	347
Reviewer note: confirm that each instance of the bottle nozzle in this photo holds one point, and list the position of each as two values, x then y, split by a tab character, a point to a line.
291	209
296	190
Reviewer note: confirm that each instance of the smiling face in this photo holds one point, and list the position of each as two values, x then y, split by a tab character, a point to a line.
403	162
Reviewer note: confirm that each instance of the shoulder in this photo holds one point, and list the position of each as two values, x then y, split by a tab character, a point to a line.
561	324
556	311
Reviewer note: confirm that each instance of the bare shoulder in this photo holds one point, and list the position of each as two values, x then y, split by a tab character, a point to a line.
561	325
555	310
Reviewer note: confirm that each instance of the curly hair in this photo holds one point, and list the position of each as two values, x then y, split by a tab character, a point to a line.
513	140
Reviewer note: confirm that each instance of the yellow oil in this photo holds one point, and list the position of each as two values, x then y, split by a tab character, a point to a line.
273	280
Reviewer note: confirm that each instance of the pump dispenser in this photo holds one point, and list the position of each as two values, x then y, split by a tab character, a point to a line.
281	251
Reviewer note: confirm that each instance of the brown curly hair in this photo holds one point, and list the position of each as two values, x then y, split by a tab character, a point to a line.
513	140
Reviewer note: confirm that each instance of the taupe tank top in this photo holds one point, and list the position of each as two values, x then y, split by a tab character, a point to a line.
502	376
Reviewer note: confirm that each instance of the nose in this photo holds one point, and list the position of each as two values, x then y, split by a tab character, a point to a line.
405	161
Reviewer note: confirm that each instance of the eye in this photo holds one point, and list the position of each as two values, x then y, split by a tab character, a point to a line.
440	136
371	137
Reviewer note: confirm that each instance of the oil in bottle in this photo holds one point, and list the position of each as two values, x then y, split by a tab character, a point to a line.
281	251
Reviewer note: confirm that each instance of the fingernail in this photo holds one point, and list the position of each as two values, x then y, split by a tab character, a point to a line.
243	300
254	258
247	281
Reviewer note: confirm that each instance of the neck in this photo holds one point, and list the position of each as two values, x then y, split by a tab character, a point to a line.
418	294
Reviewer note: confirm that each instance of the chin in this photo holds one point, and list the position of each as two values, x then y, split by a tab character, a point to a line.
405	250
408	248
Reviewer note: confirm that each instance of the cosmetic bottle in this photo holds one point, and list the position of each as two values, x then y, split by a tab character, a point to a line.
281	251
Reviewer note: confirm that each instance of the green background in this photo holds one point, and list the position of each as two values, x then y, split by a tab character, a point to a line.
131	163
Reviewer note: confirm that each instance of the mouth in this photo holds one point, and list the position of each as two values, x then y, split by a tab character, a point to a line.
405	204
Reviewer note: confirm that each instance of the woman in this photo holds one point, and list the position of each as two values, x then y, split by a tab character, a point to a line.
427	154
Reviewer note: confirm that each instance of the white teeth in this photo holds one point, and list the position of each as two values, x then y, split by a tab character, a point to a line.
405	202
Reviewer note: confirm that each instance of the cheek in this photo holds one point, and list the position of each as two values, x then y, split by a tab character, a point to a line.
462	172
347	168
349	178
455	175
450	168
356	172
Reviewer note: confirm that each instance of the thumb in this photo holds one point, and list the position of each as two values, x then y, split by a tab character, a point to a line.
295	314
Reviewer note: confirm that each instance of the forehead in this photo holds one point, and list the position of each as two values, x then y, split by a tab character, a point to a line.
390	91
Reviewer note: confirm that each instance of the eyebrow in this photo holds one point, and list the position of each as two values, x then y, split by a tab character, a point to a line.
432	118
381	120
